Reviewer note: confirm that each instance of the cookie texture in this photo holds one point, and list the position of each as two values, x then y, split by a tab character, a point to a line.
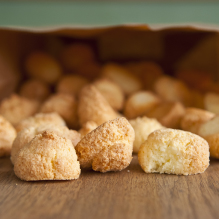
41	119
108	147
7	136
94	107
174	152
47	157
27	134
143	126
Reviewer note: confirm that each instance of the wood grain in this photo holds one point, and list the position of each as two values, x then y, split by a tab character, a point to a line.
127	194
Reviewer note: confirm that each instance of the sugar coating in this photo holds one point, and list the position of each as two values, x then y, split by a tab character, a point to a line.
94	107
71	84
171	89
27	134
124	78
47	157
87	128
16	108
211	102
41	119
169	114
42	66
108	147
140	103
111	92
65	105
143	126
193	119
174	152
34	89
7	136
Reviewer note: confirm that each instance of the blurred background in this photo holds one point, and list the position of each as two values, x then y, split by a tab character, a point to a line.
51	13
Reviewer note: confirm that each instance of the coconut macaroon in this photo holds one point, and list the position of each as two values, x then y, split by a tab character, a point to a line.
87	128
42	66
143	127
47	157
139	103
27	134
65	105
193	118
174	152
71	84
75	55
108	147
210	131
128	82
7	136
93	106
111	92
41	119
169	114
171	89
211	102
16	108
34	89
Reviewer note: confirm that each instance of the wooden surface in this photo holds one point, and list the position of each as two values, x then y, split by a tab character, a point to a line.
127	194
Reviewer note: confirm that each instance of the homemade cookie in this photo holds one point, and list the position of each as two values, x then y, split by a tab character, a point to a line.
174	152
94	107
27	134
108	147
47	157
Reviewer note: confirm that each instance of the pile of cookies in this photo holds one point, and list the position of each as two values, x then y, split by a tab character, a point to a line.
71	111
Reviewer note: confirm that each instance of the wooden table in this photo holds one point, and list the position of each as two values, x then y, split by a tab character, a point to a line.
127	194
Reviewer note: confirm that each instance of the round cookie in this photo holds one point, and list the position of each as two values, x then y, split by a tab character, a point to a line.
27	134
47	157
174	152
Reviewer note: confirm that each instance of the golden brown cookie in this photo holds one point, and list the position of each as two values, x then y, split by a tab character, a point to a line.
47	157
174	152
